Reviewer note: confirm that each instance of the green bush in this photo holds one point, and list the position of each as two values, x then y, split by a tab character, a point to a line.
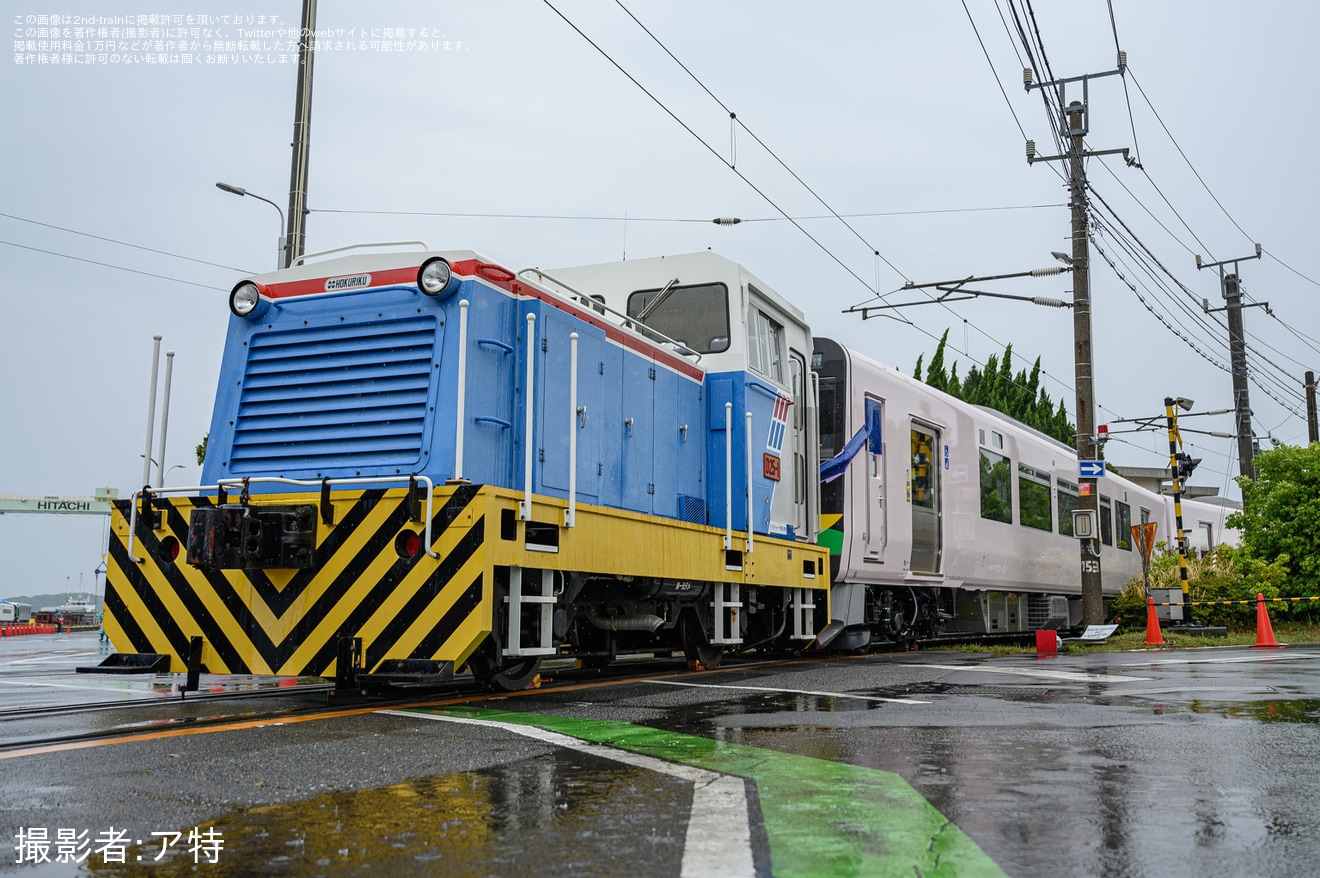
1227	574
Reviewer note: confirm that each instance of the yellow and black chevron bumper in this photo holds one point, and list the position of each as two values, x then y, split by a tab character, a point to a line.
289	621
358	583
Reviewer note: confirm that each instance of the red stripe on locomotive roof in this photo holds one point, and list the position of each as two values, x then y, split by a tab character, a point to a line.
501	277
315	286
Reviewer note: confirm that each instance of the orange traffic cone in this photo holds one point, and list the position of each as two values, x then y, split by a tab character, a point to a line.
1264	630
1153	636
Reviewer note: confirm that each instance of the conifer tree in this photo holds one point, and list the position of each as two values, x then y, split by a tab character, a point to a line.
1019	396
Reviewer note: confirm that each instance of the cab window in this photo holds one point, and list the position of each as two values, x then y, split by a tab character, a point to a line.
765	342
696	315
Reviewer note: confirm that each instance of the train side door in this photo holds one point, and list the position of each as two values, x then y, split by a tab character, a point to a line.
924	482
876	533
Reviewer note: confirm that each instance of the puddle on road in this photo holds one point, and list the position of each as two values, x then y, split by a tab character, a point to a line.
1305	710
567	809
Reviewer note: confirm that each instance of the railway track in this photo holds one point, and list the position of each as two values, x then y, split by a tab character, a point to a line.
167	713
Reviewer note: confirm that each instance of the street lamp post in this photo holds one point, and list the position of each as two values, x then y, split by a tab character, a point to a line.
163	472
238	190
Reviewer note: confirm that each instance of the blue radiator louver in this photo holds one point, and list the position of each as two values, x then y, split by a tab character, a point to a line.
343	396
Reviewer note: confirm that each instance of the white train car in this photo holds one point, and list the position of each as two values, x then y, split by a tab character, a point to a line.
955	518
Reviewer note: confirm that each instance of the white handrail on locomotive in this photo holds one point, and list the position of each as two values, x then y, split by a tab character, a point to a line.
747	435
460	400
728	478
525	508
570	514
301	260
624	321
226	484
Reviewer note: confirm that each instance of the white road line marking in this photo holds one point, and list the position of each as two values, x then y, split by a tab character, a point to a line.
1037	672
36	684
787	691
48	659
719	836
1271	656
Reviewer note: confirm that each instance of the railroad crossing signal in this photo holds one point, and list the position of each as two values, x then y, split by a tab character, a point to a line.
1091	469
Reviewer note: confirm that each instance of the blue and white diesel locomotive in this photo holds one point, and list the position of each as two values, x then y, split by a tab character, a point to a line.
424	461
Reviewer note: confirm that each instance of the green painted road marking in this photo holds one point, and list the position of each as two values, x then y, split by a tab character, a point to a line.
822	818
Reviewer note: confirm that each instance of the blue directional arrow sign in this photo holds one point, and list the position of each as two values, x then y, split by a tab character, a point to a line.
1091	469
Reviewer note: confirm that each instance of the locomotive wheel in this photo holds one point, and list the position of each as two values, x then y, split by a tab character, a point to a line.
512	676
696	646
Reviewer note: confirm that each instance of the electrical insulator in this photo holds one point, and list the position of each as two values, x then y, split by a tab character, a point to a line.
1026	76
1048	271
1048	302
1122	59
1031	150
726	220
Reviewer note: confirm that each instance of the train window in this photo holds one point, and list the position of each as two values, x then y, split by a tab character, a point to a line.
1106	522
831	418
765	342
923	480
996	487
1067	503
697	316
1124	512
996	439
1034	498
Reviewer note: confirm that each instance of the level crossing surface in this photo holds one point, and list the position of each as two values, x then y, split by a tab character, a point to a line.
1133	763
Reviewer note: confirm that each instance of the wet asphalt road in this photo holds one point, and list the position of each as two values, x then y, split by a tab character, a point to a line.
1171	763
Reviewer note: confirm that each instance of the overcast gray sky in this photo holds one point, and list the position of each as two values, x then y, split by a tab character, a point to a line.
428	115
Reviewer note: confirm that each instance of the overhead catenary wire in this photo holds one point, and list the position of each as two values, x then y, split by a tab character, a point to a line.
712	150
734	120
757	189
672	219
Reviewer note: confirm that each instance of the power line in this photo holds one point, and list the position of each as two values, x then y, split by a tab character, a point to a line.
1127	98
1195	172
1290	268
1281	380
998	82
709	148
22	219
698	220
741	124
109	265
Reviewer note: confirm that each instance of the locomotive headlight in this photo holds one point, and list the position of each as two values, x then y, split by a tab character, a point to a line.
435	277
245	300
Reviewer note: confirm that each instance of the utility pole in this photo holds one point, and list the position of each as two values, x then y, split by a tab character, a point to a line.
1312	429
1231	286
302	130
1075	130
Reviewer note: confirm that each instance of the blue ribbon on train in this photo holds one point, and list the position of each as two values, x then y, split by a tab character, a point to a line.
869	434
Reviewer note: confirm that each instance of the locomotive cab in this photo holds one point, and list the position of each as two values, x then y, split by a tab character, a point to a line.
755	349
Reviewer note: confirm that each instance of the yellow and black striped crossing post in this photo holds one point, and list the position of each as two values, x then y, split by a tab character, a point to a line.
1171	417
